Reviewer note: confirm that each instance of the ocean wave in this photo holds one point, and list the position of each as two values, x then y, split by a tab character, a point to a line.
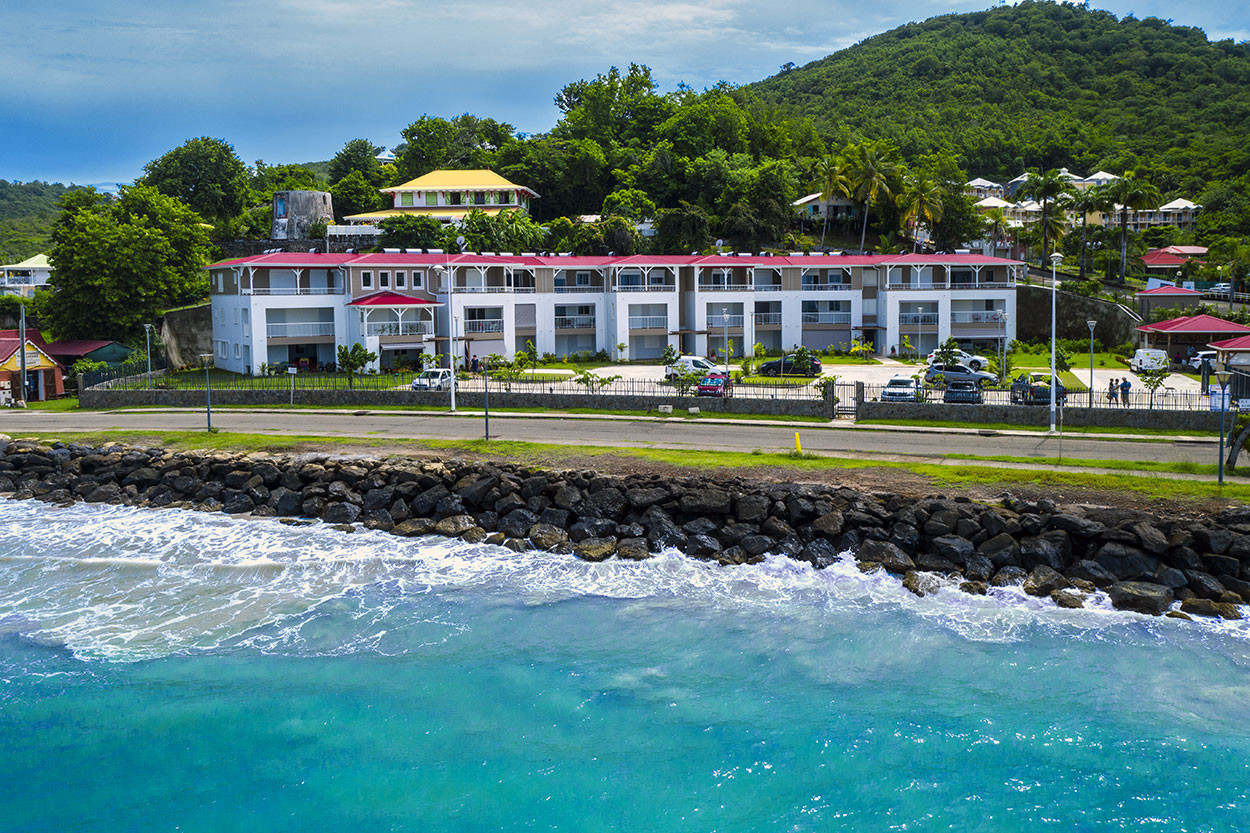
122	584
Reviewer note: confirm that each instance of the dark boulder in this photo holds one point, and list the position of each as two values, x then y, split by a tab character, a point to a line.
819	553
1009	576
979	568
1126	563
952	548
885	554
517	523
1140	597
595	549
1092	572
1050	549
1207	607
1043	581
703	502
633	549
752	508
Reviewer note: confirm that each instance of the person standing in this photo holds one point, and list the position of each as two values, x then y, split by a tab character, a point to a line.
1125	384
473	366
1113	391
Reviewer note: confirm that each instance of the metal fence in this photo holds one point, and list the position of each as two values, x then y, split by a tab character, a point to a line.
1164	399
127	376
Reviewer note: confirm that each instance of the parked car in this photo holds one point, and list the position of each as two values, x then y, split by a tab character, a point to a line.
1221	290
715	384
1148	360
789	366
963	393
957	373
688	364
433	379
1034	389
1196	360
960	357
902	389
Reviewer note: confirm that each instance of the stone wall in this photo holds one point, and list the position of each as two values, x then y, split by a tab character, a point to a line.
1143	563
1026	415
102	398
187	334
1115	325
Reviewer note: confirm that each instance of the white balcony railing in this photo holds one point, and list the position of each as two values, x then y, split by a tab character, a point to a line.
726	287
919	318
648	322
292	290
581	287
656	286
767	318
827	287
826	318
994	317
494	290
484	325
724	320
397	328
575	322
767	287
305	329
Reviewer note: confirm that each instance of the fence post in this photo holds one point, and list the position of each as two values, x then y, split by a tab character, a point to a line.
859	399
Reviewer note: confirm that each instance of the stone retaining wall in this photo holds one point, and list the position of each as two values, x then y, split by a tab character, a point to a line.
103	398
1143	563
1127	418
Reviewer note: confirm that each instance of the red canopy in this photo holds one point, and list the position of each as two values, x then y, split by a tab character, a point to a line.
391	299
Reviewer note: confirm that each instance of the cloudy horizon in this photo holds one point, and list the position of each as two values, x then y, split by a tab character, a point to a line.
98	89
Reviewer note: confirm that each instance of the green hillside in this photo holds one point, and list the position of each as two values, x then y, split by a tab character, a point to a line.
1040	84
27	211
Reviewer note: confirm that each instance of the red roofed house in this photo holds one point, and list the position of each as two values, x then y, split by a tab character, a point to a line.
1177	297
45	378
1182	337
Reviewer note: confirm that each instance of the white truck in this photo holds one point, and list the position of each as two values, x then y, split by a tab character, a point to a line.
1148	360
688	364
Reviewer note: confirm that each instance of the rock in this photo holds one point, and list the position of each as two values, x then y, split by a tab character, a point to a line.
472	535
1009	576
1002	550
1126	563
517	545
592	528
1176	614
752	508
1067	599
1093	572
1204	585
702	546
340	513
633	549
1076	525
737	555
595	549
1207	607
1043	581
952	548
922	584
819	553
756	544
829	525
552	515
413	527
976	588
1140	597
1184	558
905	536
455	525
567	496
517	523
1237	585
885	554
644	496
931	563
547	537
1050	549
238	504
1152	540
610	502
941	522
702	502
1221	565
979	568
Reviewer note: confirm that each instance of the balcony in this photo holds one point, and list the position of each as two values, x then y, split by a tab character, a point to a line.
994	317
581	287
292	290
727	287
827	287
902	285
306	329
654	286
724	321
826	318
767	319
484	325
918	318
648	322
575	322
396	328
489	290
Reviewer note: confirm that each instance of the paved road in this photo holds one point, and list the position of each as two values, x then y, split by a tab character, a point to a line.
743	436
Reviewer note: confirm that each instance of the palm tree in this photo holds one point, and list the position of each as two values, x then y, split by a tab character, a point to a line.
996	225
1045	188
922	202
870	170
1128	193
1084	202
833	181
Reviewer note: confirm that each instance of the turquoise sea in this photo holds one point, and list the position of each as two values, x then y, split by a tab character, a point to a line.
175	671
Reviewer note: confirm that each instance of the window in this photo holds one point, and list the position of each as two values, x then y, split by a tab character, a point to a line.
583	279
366	280
384	280
221	349
418	279
234	316
870	277
479	198
401	280
245	315
279	207
431	198
453	198
236	351
405	199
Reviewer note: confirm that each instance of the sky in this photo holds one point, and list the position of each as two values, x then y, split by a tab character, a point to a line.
94	89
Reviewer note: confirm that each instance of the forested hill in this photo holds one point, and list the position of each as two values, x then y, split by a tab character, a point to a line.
27	211
1040	84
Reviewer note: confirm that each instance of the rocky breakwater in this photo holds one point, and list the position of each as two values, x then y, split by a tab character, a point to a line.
1143	563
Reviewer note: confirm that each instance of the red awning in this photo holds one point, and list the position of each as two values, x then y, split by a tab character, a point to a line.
1195	324
391	299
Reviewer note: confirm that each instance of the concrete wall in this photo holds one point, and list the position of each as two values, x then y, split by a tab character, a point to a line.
102	398
1026	415
187	333
1115	325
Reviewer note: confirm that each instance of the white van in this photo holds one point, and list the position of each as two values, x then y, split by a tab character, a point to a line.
1148	360
688	364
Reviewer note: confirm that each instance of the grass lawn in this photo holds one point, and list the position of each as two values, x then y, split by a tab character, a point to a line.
776	380
65	403
840	360
544	454
1165	434
1124	465
533	378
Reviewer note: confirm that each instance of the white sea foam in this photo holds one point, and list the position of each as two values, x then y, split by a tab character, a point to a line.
123	583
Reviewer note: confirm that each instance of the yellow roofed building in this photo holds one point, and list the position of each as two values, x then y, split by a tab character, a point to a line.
25	277
449	195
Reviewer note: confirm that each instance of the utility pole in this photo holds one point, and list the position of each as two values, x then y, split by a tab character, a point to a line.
21	347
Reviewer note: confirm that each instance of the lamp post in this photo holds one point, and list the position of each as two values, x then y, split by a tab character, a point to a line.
724	320
1221	377
1091	324
147	335
1002	348
453	359
486	393
1055	259
208	392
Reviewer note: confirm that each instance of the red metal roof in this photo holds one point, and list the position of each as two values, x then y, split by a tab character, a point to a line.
1195	324
390	299
1169	290
1240	344
9	343
279	260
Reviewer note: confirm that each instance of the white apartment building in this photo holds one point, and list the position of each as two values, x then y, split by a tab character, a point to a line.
25	277
296	309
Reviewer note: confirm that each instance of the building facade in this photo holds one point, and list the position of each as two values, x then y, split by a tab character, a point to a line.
296	309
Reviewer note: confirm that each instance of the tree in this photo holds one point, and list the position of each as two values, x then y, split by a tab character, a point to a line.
1128	193
354	358
354	195
946	353
204	173
683	229
358	155
1153	380
871	167
410	231
1046	188
921	203
119	264
1084	202
630	203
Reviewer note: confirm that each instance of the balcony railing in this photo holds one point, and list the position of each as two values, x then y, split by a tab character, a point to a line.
827	287
726	287
904	285
580	287
648	322
397	328
767	287
724	320
491	290
767	318
484	325
306	329
918	318
292	290
575	322
826	318
982	317
655	286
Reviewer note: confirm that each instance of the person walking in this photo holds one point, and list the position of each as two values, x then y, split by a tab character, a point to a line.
1125	385
473	366
1113	391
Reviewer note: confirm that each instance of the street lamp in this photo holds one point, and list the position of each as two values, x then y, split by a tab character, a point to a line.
147	335
208	392
486	393
453	359
724	320
1055	259
1091	324
1221	377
